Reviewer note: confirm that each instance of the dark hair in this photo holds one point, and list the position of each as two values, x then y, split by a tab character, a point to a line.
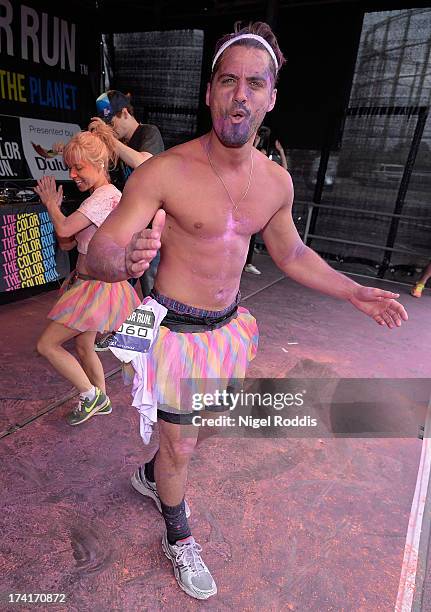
113	93
260	29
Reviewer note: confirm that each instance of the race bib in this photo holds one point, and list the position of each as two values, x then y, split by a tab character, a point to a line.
137	332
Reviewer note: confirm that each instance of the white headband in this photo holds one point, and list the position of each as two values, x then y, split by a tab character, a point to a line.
230	42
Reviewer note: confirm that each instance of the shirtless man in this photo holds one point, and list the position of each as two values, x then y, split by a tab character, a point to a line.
216	191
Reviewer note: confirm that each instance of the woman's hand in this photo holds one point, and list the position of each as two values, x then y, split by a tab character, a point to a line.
58	147
47	192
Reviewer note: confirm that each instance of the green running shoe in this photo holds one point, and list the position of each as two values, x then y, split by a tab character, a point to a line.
87	408
107	409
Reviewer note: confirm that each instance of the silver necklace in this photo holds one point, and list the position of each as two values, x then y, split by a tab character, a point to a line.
235	205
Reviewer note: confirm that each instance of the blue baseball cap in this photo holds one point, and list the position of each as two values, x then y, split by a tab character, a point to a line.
110	103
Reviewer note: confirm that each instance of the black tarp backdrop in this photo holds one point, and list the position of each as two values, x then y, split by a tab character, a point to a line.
321	41
319	38
162	70
314	85
49	60
313	89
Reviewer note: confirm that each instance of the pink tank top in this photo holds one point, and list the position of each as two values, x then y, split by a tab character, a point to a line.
96	208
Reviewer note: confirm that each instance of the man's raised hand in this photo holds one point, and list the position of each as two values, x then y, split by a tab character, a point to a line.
144	246
95	121
380	305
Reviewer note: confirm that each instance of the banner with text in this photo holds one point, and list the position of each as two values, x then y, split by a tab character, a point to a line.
49	60
38	138
29	254
12	159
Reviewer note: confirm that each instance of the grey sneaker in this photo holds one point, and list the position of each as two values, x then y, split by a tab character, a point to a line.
251	269
148	488
190	571
103	344
87	408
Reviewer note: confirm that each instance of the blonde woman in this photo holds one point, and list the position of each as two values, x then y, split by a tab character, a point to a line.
86	305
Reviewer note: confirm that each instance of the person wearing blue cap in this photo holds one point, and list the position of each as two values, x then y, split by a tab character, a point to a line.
115	109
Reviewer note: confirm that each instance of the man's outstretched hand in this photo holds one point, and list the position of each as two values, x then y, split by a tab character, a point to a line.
380	305
144	246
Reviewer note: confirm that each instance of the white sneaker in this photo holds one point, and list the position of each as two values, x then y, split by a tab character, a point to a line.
149	489
190	571
252	269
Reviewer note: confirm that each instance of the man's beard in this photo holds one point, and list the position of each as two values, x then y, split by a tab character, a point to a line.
236	134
